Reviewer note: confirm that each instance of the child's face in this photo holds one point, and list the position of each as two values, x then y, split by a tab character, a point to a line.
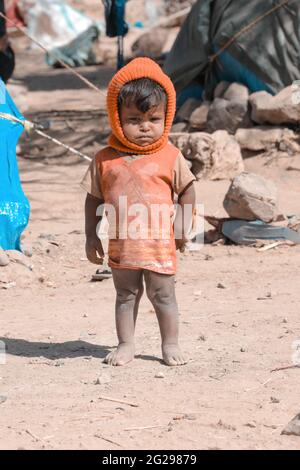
143	128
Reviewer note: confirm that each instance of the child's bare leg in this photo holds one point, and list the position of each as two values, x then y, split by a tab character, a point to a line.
161	292
129	287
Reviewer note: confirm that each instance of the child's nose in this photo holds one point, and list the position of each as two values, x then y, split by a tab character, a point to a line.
145	126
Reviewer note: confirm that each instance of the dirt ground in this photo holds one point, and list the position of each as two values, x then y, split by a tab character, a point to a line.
58	326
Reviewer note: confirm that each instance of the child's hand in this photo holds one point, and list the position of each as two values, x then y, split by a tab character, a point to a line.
94	250
181	244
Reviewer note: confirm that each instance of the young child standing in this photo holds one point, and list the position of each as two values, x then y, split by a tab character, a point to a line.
138	172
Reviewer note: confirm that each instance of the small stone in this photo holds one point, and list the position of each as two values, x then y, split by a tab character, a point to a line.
104	379
27	251
3	398
202	338
251	424
8	285
198	293
51	284
59	363
85	316
4	259
160	375
190	417
285	320
226	426
293	427
274	400
221	286
235	325
46	236
243	350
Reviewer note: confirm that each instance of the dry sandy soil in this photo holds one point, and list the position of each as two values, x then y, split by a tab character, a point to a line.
58	326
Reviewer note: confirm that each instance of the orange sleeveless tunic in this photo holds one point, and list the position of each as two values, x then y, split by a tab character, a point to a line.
144	184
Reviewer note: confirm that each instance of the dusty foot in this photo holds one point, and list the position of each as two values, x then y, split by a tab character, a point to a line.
172	355
120	356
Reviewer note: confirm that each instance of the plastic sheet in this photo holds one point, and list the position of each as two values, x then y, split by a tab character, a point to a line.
14	206
63	30
244	232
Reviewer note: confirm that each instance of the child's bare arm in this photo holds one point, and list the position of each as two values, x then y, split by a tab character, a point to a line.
183	220
94	249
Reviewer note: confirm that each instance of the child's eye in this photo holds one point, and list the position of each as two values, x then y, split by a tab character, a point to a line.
134	120
155	119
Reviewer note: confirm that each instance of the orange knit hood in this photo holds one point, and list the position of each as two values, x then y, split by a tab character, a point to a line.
138	68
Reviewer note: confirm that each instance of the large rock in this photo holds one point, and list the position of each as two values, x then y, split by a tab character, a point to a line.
221	89
214	156
236	92
188	107
180	127
150	44
228	115
251	197
198	118
263	138
279	109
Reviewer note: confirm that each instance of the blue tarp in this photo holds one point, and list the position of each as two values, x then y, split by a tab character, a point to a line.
14	205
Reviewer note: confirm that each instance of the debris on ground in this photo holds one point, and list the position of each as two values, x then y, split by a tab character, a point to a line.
293	427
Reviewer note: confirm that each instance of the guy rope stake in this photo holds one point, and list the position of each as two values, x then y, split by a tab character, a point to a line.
31	126
62	63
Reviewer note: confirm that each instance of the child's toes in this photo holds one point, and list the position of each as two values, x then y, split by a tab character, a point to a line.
109	358
170	361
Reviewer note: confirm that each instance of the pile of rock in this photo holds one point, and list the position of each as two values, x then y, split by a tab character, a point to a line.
233	108
258	122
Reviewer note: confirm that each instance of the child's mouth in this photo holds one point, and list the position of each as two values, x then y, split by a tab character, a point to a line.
144	138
